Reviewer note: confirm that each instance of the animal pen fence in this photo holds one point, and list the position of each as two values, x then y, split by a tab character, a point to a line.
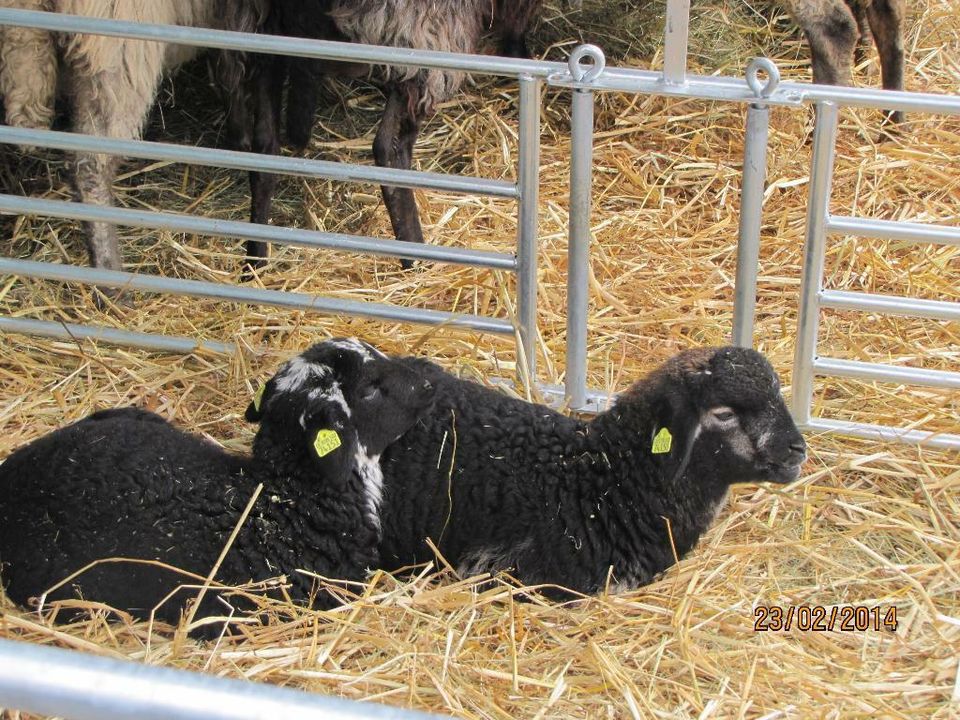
584	76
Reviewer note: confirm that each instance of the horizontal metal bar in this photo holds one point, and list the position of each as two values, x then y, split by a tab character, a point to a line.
893	305
943	441
253	231
894	230
144	341
871	98
302	167
701	87
280	45
885	373
554	73
79	686
234	293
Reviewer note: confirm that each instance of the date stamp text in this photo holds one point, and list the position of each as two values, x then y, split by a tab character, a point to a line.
822	618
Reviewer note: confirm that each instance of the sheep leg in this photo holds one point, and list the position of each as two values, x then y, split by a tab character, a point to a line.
886	23
267	96
228	70
393	147
305	83
512	20
831	31
859	10
111	100
93	174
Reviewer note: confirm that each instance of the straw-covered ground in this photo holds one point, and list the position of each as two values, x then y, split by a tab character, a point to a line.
868	524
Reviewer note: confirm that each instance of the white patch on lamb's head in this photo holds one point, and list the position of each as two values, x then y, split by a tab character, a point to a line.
368	467
365	351
331	393
297	372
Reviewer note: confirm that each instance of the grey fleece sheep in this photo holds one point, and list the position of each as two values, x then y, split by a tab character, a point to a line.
502	484
125	483
110	83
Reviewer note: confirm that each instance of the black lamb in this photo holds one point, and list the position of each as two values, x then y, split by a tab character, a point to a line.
501	484
125	483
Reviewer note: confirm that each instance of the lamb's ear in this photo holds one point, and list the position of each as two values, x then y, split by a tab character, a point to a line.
255	409
675	429
332	443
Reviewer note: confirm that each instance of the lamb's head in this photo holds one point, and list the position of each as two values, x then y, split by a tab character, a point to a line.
336	399
722	409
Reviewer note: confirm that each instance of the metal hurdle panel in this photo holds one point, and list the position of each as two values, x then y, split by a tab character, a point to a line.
529	75
813	298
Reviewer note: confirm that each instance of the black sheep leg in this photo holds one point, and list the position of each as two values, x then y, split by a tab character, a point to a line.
267	96
886	23
301	101
393	147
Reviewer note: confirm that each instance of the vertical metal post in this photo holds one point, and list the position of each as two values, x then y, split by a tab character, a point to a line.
528	182
818	208
675	32
751	202
578	248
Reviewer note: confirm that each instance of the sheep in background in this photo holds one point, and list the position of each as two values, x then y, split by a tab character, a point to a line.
125	483
501	484
111	83
412	93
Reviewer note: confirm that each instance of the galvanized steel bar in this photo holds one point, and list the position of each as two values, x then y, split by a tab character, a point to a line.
113	336
234	293
894	230
751	208
890	304
79	686
877	372
788	94
675	33
578	250
254	231
814	252
867	431
302	167
528	183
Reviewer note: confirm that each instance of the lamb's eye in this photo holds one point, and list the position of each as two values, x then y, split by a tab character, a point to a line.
372	392
723	415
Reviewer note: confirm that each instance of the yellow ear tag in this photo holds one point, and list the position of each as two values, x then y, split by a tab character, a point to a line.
662	442
258	398
326	442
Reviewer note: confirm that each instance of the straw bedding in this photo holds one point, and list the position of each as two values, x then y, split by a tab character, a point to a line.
868	524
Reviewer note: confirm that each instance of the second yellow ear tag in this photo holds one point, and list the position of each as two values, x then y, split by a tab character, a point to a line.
326	442
258	398
662	442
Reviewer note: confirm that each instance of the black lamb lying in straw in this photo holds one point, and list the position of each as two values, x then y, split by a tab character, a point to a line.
501	484
125	483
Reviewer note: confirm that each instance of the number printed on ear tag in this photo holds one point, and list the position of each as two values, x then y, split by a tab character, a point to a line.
326	442
258	398
662	442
